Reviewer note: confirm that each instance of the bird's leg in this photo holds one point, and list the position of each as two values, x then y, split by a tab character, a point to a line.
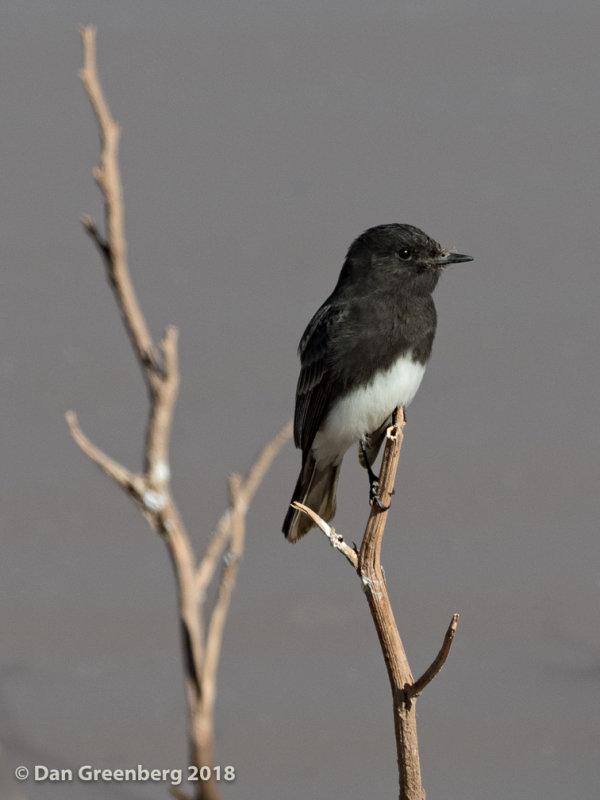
372	477
373	480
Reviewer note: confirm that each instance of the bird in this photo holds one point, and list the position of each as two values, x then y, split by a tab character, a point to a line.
363	355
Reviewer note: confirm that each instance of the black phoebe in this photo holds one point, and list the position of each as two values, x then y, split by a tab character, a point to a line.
362	355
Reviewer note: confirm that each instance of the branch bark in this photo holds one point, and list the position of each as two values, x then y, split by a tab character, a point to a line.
201	631
367	563
396	662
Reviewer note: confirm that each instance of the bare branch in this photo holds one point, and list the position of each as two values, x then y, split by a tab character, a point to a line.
394	654
220	535
368	566
335	539
437	663
212	554
163	396
201	640
231	565
241	492
370	550
91	228
263	462
108	178
127	480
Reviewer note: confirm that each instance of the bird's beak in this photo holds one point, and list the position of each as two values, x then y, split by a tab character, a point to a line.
446	257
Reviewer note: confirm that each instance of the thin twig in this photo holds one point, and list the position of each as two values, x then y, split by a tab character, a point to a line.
214	549
437	663
241	492
122	476
108	177
336	541
264	460
151	488
219	537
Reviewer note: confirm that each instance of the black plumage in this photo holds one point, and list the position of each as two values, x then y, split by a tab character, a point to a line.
380	311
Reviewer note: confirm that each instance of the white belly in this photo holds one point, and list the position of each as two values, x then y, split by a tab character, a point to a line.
364	409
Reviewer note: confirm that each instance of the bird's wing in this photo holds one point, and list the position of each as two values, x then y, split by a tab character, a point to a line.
314	390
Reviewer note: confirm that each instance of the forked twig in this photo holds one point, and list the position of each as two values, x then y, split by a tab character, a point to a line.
368	566
202	633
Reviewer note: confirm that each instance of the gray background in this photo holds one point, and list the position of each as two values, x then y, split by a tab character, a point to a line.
259	139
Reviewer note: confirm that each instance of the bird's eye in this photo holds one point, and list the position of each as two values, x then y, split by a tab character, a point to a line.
405	254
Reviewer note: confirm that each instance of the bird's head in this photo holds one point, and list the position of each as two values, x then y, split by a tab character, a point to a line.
393	254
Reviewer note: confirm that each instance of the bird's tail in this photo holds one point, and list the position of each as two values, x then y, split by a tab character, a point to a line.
316	489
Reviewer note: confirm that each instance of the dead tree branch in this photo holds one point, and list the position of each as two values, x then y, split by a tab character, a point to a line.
336	541
367	563
438	662
201	631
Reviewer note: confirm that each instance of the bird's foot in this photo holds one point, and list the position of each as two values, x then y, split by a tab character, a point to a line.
374	498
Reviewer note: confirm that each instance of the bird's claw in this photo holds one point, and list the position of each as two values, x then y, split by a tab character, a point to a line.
374	498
